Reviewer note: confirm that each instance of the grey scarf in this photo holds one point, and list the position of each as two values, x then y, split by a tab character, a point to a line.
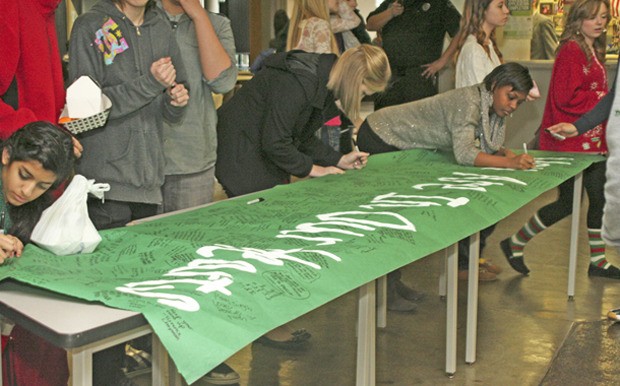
492	130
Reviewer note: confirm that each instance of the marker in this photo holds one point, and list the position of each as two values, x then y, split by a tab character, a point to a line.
557	136
355	144
525	147
256	201
357	149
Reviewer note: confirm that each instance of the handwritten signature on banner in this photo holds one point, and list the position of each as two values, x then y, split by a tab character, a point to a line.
207	275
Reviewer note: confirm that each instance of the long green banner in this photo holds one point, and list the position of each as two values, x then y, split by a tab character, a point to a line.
211	280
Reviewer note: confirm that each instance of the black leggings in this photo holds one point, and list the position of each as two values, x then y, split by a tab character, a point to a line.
370	142
594	184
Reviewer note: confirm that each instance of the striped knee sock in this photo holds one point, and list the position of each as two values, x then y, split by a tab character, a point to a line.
531	228
597	249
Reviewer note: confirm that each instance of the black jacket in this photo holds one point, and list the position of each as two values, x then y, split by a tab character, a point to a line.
266	131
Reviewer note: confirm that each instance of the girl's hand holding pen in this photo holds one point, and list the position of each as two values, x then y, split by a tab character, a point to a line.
522	162
10	246
353	160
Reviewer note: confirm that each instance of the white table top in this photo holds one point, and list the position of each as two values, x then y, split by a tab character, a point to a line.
64	321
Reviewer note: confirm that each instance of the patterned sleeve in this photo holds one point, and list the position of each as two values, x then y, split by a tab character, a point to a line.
315	36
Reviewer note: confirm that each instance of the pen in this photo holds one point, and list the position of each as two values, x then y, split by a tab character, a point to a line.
355	144
357	149
256	200
525	147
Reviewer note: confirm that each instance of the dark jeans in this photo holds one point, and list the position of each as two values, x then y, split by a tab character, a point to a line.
116	214
464	247
370	142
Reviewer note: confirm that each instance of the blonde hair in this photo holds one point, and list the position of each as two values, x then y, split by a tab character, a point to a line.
362	65
471	24
582	10
305	9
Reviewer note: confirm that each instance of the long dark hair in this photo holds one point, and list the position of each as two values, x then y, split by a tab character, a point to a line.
51	146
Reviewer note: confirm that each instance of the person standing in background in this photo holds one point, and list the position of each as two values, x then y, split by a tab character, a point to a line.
207	46
360	31
544	39
310	29
478	52
611	212
413	33
578	83
280	28
208	49
128	47
343	19
31	83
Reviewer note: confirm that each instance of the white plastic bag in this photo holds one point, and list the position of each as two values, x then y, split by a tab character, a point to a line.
64	227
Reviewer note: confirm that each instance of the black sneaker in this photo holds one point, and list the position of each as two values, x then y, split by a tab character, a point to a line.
409	293
516	263
611	272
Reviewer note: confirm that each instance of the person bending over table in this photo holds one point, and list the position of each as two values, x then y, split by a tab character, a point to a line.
477	56
266	132
35	160
469	121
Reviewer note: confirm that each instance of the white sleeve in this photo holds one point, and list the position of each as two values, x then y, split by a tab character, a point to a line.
472	65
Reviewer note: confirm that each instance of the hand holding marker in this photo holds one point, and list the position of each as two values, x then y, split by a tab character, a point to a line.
557	136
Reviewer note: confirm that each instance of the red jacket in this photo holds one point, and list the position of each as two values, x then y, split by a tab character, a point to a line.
576	87
30	56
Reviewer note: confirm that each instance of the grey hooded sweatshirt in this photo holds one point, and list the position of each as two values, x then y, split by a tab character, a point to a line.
127	152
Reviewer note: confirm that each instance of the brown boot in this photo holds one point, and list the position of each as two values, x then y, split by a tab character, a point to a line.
483	275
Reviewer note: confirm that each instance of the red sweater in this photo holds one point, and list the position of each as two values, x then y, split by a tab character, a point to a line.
29	52
576	87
